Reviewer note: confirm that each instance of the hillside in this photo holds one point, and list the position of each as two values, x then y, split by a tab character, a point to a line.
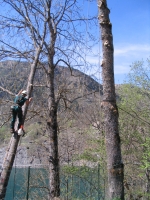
75	116
14	75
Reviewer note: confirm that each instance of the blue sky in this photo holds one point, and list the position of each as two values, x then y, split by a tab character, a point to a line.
131	33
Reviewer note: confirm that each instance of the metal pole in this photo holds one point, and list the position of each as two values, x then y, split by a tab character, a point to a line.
28	183
98	181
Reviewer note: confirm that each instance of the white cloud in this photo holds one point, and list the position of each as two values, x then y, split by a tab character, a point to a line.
126	55
131	49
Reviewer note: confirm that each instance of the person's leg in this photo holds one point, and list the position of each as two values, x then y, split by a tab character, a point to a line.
14	114
19	117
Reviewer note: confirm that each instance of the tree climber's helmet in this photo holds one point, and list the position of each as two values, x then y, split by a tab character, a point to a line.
24	92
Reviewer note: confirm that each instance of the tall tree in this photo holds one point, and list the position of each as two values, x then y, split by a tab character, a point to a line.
114	159
62	45
12	147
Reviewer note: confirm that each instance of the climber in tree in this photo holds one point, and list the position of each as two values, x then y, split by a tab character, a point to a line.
16	109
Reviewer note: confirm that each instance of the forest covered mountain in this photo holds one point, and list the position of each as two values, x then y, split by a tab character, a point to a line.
80	94
14	75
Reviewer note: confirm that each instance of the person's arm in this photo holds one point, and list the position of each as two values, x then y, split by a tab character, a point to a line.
28	101
17	96
19	92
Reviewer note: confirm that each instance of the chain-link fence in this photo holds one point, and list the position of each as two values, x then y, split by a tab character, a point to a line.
76	183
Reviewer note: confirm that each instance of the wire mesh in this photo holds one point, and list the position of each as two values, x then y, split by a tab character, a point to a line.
76	183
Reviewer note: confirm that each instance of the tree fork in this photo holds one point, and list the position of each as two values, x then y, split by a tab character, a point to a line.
115	165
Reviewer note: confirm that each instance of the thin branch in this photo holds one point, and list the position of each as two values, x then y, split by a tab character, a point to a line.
5	122
135	116
5	90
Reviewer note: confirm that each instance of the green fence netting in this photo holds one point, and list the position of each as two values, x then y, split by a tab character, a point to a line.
76	183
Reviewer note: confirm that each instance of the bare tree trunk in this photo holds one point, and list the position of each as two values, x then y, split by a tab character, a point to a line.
114	160
9	158
52	125
52	132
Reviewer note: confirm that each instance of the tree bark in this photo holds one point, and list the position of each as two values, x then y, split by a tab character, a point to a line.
115	165
10	154
52	132
52	125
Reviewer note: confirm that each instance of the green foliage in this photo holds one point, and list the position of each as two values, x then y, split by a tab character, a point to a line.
89	156
146	155
134	117
140	74
76	170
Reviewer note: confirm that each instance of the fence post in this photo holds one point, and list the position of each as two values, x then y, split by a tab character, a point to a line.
98	181
28	183
14	183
